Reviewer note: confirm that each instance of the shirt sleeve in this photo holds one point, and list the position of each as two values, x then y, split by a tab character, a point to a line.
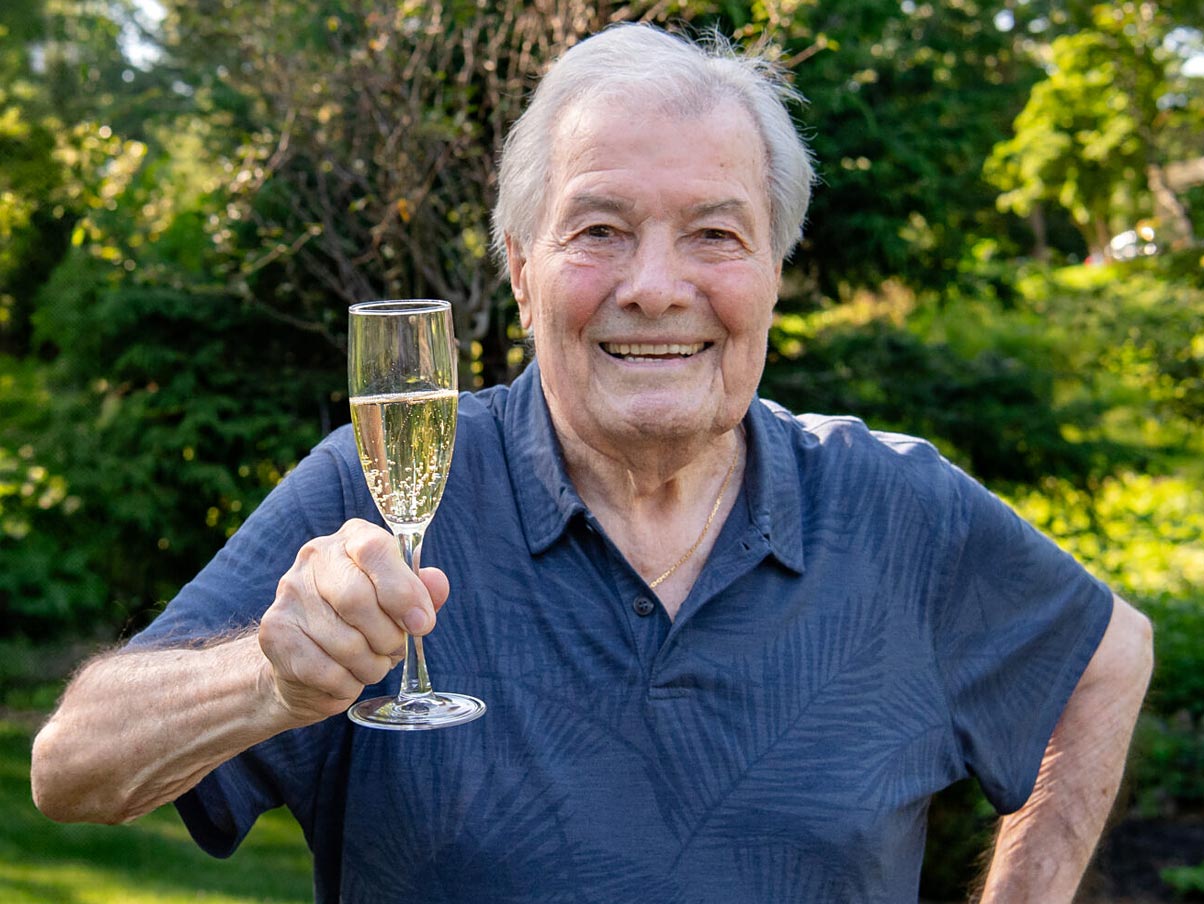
1018	625
230	594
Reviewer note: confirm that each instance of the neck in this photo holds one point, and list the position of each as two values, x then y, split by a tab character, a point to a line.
666	518
657	474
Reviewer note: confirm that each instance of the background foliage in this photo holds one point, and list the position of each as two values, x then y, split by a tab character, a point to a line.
191	194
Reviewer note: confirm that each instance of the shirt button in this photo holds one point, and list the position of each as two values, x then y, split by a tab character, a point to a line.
643	606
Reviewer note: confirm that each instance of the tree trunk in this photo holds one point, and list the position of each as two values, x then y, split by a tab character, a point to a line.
1096	234
1036	221
1174	225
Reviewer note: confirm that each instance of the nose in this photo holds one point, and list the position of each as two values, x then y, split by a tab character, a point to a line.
656	279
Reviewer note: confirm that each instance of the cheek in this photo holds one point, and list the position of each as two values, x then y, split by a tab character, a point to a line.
568	300
747	317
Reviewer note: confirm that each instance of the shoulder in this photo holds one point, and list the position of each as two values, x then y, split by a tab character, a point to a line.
336	451
849	439
845	465
479	423
322	491
485	408
330	472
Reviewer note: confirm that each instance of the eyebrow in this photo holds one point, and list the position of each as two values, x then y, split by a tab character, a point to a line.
588	201
731	206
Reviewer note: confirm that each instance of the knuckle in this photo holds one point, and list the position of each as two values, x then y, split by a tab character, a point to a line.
340	682
386	639
311	550
276	632
289	586
269	627
346	673
371	547
354	543
358	533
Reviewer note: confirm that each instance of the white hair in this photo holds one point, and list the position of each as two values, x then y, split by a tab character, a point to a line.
641	61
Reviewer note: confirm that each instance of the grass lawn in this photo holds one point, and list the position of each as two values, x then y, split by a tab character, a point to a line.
152	861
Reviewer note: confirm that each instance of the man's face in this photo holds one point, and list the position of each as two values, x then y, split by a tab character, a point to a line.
650	281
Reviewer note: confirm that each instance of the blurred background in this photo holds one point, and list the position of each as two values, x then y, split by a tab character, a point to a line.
1003	256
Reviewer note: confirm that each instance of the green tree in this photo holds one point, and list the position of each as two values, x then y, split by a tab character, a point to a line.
1093	136
145	407
30	243
905	101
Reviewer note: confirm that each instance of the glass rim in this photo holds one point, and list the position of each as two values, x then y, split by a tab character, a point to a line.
400	306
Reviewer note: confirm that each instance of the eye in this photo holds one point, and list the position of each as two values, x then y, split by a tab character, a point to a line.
719	242
598	231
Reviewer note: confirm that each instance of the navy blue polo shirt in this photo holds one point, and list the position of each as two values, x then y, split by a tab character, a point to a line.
871	626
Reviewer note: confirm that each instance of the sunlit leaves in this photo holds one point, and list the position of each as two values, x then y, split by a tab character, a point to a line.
1143	534
1096	123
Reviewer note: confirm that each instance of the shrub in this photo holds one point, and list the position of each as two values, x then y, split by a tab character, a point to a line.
158	423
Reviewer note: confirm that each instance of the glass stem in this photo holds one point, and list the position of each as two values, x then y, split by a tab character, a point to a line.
415	681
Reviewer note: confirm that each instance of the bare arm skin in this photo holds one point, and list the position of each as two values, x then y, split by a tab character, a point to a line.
1043	849
136	730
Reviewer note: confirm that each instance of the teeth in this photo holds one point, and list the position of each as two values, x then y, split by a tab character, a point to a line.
647	349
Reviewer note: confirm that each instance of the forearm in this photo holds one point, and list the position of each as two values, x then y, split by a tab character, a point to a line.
1043	849
136	730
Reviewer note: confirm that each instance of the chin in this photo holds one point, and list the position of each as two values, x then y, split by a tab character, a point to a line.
661	419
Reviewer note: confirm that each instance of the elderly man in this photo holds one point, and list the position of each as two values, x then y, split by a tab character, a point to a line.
729	654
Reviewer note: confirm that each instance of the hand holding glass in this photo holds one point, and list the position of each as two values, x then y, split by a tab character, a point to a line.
401	372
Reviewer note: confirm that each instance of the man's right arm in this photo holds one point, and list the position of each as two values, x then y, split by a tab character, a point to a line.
137	729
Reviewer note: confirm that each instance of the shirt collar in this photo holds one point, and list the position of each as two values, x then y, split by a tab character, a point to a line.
771	481
548	501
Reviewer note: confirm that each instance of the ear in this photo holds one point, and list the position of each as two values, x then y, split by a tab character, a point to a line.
516	261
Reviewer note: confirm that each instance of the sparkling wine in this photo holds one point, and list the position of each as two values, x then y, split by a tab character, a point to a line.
405	444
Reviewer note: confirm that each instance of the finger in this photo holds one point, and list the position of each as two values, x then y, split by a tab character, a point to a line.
354	597
347	646
400	593
312	596
437	585
317	620
306	677
349	624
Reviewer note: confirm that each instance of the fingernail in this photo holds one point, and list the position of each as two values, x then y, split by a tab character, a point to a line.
416	621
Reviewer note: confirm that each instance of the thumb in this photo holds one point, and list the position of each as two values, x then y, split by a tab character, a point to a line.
436	585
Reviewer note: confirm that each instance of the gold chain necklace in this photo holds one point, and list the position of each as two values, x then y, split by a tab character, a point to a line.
706	527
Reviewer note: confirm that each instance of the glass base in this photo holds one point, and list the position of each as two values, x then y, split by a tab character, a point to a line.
416	713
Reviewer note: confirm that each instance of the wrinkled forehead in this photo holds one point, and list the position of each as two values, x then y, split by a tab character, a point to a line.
611	160
601	125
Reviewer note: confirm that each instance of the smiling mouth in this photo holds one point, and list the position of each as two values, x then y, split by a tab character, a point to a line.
648	351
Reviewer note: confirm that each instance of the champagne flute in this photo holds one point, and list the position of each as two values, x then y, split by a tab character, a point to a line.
401	372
